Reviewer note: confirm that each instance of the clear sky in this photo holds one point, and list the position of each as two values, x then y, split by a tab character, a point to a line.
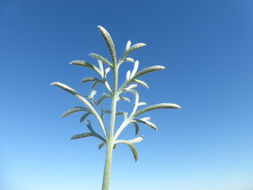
206	47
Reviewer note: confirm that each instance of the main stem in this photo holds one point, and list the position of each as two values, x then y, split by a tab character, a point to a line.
110	140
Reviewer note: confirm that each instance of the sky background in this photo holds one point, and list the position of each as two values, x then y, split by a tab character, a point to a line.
206	47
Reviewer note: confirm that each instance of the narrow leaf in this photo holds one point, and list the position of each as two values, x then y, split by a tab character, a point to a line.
130	87
84	117
128	75
134	151
124	98
148	123
92	94
101	145
132	48
141	83
101	68
103	98
64	87
137	128
83	135
101	58
128	44
158	106
74	110
109	43
131	141
148	70
89	79
129	59
136	65
85	64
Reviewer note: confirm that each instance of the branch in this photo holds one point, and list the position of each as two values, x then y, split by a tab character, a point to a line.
82	99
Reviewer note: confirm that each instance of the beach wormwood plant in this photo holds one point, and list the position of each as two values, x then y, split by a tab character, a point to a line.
116	92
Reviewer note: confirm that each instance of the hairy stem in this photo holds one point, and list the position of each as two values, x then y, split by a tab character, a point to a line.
110	142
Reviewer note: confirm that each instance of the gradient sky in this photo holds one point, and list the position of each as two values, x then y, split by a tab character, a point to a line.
206	47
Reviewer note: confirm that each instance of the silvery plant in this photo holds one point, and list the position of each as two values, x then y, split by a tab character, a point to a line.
115	92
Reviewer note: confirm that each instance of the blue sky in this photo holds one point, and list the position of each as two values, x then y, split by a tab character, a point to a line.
206	47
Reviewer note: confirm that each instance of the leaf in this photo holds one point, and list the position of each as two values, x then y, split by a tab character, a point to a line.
132	48
88	124
94	85
83	135
124	98
129	59
84	117
134	151
136	65
107	70
142	103
141	83
109	43
158	106
137	128
74	110
148	70
86	64
89	79
148	123
131	141
130	87
128	75
101	58
64	87
102	98
128	44
92	94
101	68
101	145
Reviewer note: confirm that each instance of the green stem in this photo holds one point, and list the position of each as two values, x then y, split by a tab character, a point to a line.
110	140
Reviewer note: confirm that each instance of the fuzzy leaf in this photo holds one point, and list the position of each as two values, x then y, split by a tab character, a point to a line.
129	59
134	151
128	44
158	106
131	141
101	68
128	75
141	83
89	79
64	87
103	98
148	123
92	94
83	135
101	58
137	128
86	64
84	117
136	65
74	110
109	43
148	70
101	145
130	87
132	48
124	98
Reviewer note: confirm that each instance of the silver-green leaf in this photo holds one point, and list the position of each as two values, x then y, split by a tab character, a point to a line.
83	135
86	64
158	106
101	58
109	43
74	110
